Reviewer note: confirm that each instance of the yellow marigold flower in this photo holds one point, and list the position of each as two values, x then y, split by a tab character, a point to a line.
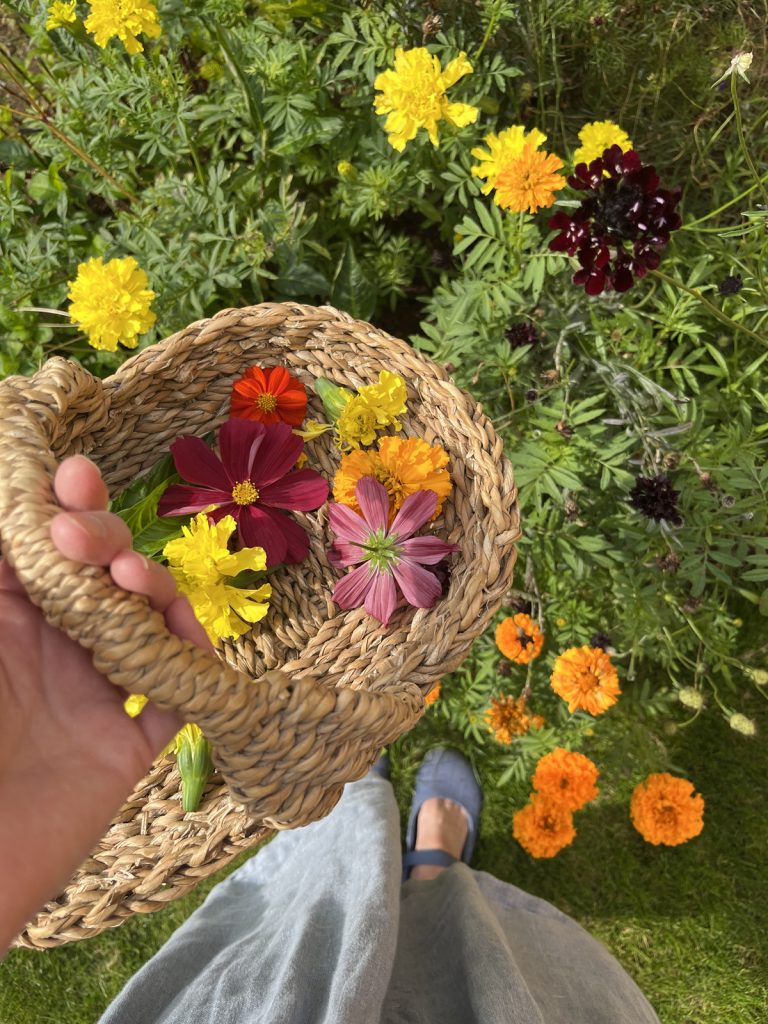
134	704
126	19
434	693
404	466
413	95
586	679
543	827
61	14
312	429
502	148
597	137
519	638
666	811
567	777
374	407
201	562
110	302
508	717
528	181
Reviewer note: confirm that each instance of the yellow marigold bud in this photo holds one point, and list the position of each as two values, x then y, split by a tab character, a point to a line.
346	170
210	70
741	724
690	697
61	14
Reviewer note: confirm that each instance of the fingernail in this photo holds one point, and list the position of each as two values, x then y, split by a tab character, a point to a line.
89	523
145	563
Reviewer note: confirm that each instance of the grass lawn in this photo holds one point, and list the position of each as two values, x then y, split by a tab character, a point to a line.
687	923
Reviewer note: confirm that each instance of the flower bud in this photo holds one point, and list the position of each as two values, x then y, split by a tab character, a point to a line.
193	756
334	398
691	698
740	723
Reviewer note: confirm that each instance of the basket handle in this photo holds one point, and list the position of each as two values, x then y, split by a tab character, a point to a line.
285	746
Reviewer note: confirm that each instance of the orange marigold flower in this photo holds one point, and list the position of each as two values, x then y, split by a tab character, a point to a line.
519	638
507	717
543	827
269	396
585	677
434	693
666	810
403	465
566	776
529	182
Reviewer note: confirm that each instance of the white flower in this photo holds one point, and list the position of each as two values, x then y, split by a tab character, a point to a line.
740	64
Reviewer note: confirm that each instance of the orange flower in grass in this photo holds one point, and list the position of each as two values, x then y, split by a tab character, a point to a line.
586	679
568	777
403	465
666	811
269	396
519	639
543	827
528	182
508	717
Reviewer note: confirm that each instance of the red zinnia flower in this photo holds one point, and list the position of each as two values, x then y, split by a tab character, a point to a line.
252	480
269	396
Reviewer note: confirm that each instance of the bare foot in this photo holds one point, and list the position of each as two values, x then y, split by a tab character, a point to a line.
441	825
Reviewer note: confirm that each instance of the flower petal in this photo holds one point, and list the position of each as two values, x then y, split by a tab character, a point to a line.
258	529
427	550
416	510
180	500
302	490
347	525
294	535
240	440
381	598
350	591
278	454
198	464
341	554
419	586
373	500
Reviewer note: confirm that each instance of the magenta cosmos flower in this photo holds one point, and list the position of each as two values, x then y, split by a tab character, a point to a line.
390	556
252	481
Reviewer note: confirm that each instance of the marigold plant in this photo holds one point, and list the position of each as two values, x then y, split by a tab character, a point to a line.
111	302
124	19
528	182
543	827
666	810
596	137
519	638
568	777
502	150
413	96
586	679
508	717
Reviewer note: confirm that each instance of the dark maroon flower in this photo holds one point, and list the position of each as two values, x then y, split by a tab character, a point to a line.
655	498
731	285
622	225
601	640
252	481
522	333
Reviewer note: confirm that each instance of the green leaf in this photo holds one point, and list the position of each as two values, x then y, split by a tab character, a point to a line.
152	539
352	292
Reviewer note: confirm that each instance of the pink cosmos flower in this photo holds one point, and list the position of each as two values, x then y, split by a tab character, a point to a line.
390	557
253	479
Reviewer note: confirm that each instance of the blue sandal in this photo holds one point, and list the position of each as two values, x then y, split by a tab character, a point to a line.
447	774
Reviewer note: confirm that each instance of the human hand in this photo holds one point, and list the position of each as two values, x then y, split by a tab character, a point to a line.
69	754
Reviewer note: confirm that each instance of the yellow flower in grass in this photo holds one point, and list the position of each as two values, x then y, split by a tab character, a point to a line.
201	564
528	182
61	14
404	466
503	148
126	19
110	302
374	407
413	96
598	136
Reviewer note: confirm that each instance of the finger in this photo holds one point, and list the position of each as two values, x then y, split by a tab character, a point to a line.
9	582
159	726
91	537
181	620
134	572
78	485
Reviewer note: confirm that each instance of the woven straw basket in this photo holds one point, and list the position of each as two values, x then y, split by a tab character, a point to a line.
302	704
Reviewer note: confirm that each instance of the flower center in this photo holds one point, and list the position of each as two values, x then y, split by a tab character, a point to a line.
381	551
587	683
616	211
267	403
244	493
